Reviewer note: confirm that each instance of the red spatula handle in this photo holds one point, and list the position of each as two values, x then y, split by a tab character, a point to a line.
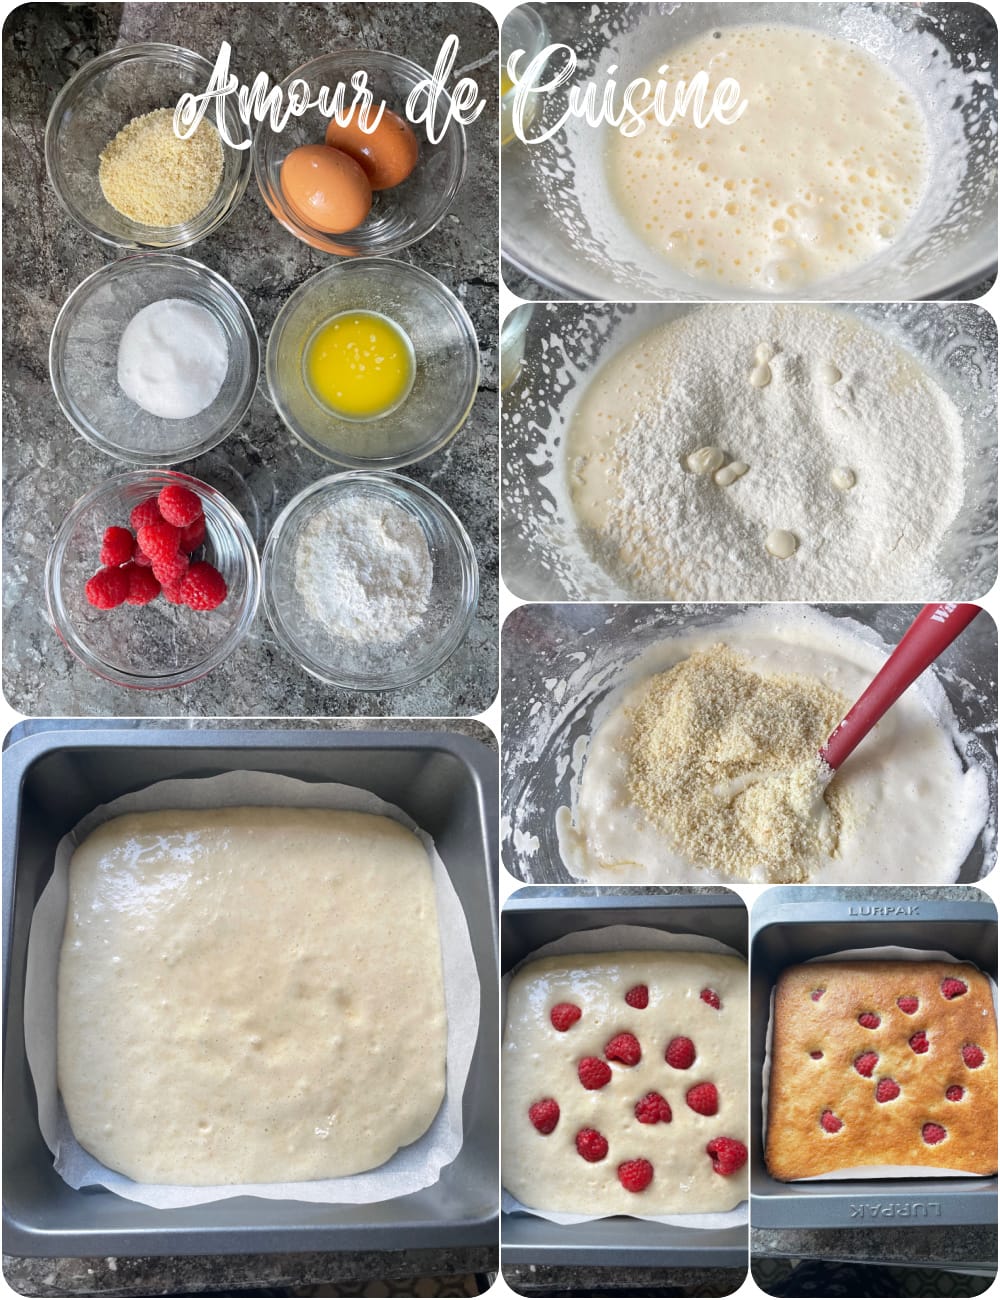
930	633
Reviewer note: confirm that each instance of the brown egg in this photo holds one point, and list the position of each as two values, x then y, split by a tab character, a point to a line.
325	188
388	154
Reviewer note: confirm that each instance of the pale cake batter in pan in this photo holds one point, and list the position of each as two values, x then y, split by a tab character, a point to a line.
250	995
657	999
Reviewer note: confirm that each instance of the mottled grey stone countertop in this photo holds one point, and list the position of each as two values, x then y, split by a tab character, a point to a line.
225	1274
569	1280
47	465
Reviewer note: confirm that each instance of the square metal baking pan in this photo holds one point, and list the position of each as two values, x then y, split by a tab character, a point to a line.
789	926
448	785
540	915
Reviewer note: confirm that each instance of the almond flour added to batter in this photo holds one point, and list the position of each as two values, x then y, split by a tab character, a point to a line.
705	766
821	173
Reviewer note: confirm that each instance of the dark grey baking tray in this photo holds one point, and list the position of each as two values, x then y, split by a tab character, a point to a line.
536	916
447	783
789	926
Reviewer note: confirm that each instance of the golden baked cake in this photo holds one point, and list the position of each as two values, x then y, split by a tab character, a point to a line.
882	1063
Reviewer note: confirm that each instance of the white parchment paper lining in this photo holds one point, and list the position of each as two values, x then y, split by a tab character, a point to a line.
888	953
626	938
410	1169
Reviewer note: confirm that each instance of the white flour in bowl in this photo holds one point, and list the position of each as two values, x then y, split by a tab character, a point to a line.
364	570
770	453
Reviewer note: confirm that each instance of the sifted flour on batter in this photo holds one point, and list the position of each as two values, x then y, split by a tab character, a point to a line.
671	788
766	453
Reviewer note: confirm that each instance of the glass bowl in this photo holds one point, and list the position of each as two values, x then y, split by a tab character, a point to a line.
94	105
368	666
83	358
399	216
445	350
522	29
562	662
543	550
159	645
560	226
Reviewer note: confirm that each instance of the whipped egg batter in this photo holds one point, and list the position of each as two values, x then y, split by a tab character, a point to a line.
545	1170
916	809
250	995
820	174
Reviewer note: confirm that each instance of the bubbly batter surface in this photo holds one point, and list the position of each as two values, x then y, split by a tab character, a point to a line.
250	995
546	1171
820	174
913	811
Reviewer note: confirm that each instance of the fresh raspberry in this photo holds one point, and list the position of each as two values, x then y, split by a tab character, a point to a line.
593	1072
728	1155
564	1014
908	1004
869	1020
170	570
159	540
544	1114
816	994
116	548
141	558
973	1056
953	988
887	1090
146	512
204	587
179	505
933	1134
955	1093
624	1048
712	998
638	997
703	1098
635	1175
816	1056
865	1063
193	535
680	1053
142	585
829	1122
919	1043
172	594
107	589
653	1109
591	1145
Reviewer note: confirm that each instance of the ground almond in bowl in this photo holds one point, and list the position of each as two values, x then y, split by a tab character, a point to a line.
150	175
